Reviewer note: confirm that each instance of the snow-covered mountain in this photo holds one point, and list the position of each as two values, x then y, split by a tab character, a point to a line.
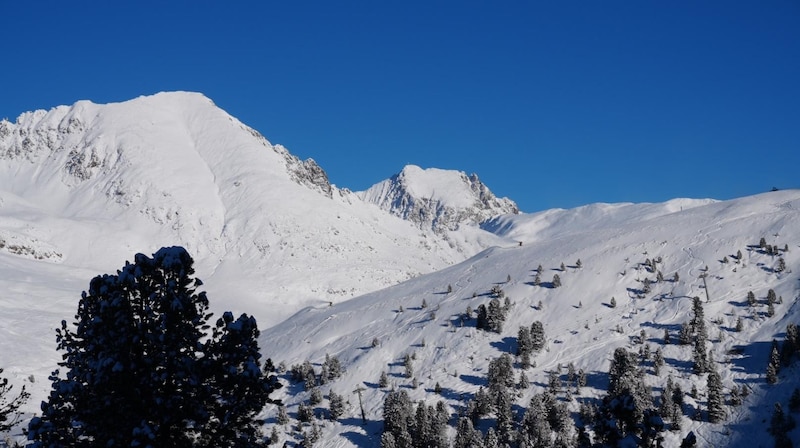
438	199
85	187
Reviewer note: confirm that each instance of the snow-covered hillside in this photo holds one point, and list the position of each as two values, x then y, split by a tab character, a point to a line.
690	238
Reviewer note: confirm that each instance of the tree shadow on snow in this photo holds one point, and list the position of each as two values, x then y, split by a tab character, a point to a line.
474	380
506	345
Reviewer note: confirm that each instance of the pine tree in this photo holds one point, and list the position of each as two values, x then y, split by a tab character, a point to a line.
335	405
563	268
716	408
283	417
685	334
613	302
556	281
537	336
701	364
315	397
466	435
535	430
305	413
666	337
751	298
739	324
398	415
273	436
500	373
9	407
409	367
384	380
537	280
524	346
578	263
523	382
794	400
495	315
658	362
140	368
779	427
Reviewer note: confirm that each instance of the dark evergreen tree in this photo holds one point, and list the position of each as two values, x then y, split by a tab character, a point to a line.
537	280
524	346
623	410
335	405
535	430
9	406
699	356
685	334
315	397
466	435
790	344
658	362
283	417
501	372
779	427
556	281
383	381
495	315
491	440
537	336
613	302
523	382
273	436
408	366
140	369
305	413
398	418
751	298
504	417
666	337
739	324
794	400
774	364
716	404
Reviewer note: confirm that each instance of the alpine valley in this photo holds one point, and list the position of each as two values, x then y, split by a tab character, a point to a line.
417	286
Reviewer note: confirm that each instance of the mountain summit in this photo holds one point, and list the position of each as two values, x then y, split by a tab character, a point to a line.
89	185
438	199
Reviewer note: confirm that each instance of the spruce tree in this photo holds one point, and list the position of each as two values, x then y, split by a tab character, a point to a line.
716	408
140	368
537	336
524	346
9	406
335	405
556	281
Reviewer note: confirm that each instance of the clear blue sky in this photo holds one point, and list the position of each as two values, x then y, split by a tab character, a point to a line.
552	103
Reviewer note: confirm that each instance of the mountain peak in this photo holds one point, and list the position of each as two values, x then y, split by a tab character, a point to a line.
439	199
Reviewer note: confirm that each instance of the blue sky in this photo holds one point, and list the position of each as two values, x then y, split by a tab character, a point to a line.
553	104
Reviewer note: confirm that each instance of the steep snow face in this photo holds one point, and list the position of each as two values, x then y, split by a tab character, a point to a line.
90	185
442	200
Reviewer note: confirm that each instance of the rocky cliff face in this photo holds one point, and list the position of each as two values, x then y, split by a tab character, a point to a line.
442	200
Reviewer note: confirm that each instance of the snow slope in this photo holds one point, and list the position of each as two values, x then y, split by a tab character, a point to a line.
580	325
